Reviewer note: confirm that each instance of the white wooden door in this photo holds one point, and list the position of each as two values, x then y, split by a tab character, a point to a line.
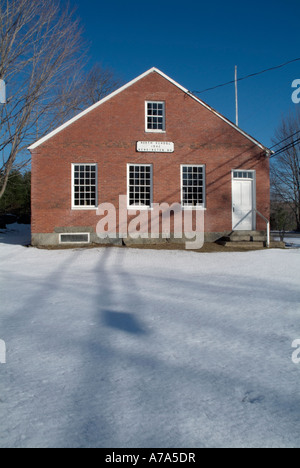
242	204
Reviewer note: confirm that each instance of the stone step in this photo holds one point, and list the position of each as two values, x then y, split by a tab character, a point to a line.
236	239
248	238
259	238
248	233
243	238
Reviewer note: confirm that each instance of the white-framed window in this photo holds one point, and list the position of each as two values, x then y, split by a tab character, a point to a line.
140	182
243	174
155	116
84	186
193	186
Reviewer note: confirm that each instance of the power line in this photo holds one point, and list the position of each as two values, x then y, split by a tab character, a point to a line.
285	148
247	76
251	75
279	143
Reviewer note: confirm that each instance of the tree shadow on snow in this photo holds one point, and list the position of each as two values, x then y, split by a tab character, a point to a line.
16	234
123	321
120	391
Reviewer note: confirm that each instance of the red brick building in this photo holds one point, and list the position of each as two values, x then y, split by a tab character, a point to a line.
153	142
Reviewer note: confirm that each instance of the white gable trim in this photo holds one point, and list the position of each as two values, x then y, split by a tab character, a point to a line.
82	114
115	93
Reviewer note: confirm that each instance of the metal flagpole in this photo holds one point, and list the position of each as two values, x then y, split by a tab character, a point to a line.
236	99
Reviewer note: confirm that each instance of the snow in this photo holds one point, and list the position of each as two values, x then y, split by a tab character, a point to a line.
291	239
15	234
290	242
115	347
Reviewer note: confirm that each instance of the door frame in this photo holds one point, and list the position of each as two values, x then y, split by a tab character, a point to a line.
253	179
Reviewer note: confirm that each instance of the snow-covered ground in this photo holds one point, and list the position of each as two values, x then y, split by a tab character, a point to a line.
291	242
139	348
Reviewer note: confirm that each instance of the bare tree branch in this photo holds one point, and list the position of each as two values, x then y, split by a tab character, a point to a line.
42	62
285	168
40	43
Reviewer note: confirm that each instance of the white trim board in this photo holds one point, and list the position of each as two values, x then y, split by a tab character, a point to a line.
115	93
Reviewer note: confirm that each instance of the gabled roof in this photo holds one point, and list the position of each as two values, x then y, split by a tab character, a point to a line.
115	93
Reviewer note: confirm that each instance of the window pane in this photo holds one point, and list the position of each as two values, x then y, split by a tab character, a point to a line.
192	186
140	185
155	116
84	185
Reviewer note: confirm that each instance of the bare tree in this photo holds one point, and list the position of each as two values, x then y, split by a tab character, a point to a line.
282	218
40	47
86	88
285	168
98	83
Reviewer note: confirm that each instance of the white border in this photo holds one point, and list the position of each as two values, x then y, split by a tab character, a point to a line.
75	234
115	93
253	180
139	207
146	117
199	207
85	208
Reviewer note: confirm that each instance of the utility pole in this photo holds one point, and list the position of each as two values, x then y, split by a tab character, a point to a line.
236	99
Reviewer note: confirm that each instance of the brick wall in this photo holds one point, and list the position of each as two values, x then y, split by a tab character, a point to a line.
108	135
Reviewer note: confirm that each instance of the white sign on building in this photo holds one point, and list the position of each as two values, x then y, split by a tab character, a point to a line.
155	147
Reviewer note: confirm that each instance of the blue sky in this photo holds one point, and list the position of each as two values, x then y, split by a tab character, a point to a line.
198	44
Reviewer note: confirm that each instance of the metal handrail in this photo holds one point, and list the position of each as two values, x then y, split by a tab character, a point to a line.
264	218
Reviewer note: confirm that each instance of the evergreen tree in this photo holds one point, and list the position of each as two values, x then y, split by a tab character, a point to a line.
16	199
